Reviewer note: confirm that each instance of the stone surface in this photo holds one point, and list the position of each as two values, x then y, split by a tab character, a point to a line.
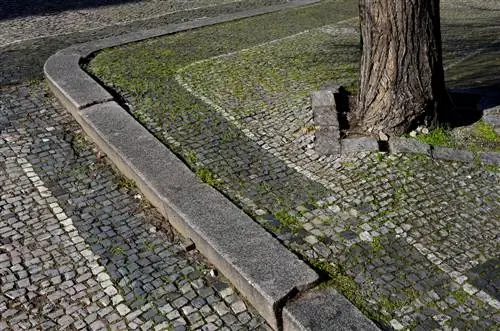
492	116
430	263
400	234
327	134
29	40
407	145
76	89
321	310
446	153
72	231
327	140
357	145
492	158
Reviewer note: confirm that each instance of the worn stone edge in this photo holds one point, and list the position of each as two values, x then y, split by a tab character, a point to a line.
325	309
84	51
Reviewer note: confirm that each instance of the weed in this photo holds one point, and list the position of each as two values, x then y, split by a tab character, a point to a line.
207	176
376	245
438	137
191	158
485	131
461	296
116	250
124	182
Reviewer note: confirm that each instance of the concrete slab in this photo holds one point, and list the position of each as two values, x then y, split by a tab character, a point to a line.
324	310
264	271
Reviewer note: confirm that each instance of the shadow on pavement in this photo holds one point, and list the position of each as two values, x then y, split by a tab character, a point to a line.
19	8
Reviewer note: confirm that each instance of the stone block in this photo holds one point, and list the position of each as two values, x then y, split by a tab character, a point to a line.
324	108
359	144
492	116
324	310
408	145
327	140
446	153
323	98
492	158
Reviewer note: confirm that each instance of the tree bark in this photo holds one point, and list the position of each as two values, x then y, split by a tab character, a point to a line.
402	79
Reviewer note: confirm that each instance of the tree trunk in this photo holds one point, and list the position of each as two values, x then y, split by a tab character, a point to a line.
402	79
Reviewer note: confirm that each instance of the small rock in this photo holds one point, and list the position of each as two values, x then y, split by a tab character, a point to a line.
382	136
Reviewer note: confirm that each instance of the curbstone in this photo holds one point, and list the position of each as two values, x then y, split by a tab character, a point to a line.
406	145
263	270
324	310
327	135
73	86
357	145
492	158
446	153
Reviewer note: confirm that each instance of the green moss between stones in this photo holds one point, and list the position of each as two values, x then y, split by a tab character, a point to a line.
485	131
437	137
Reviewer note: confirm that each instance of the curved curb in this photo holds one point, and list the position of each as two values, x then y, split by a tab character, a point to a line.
262	269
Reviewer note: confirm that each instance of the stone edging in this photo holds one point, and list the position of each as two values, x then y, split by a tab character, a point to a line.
262	269
326	141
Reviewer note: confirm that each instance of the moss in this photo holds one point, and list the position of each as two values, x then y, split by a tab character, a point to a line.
287	220
191	158
438	137
485	131
492	168
124	182
346	285
376	245
461	296
116	250
206	176
479	137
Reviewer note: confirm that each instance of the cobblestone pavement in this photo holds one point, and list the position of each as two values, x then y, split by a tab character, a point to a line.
412	241
27	41
24	20
79	248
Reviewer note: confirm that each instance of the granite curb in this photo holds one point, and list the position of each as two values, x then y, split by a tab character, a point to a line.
256	263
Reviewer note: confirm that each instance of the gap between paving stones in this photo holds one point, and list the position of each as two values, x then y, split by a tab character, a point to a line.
263	270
